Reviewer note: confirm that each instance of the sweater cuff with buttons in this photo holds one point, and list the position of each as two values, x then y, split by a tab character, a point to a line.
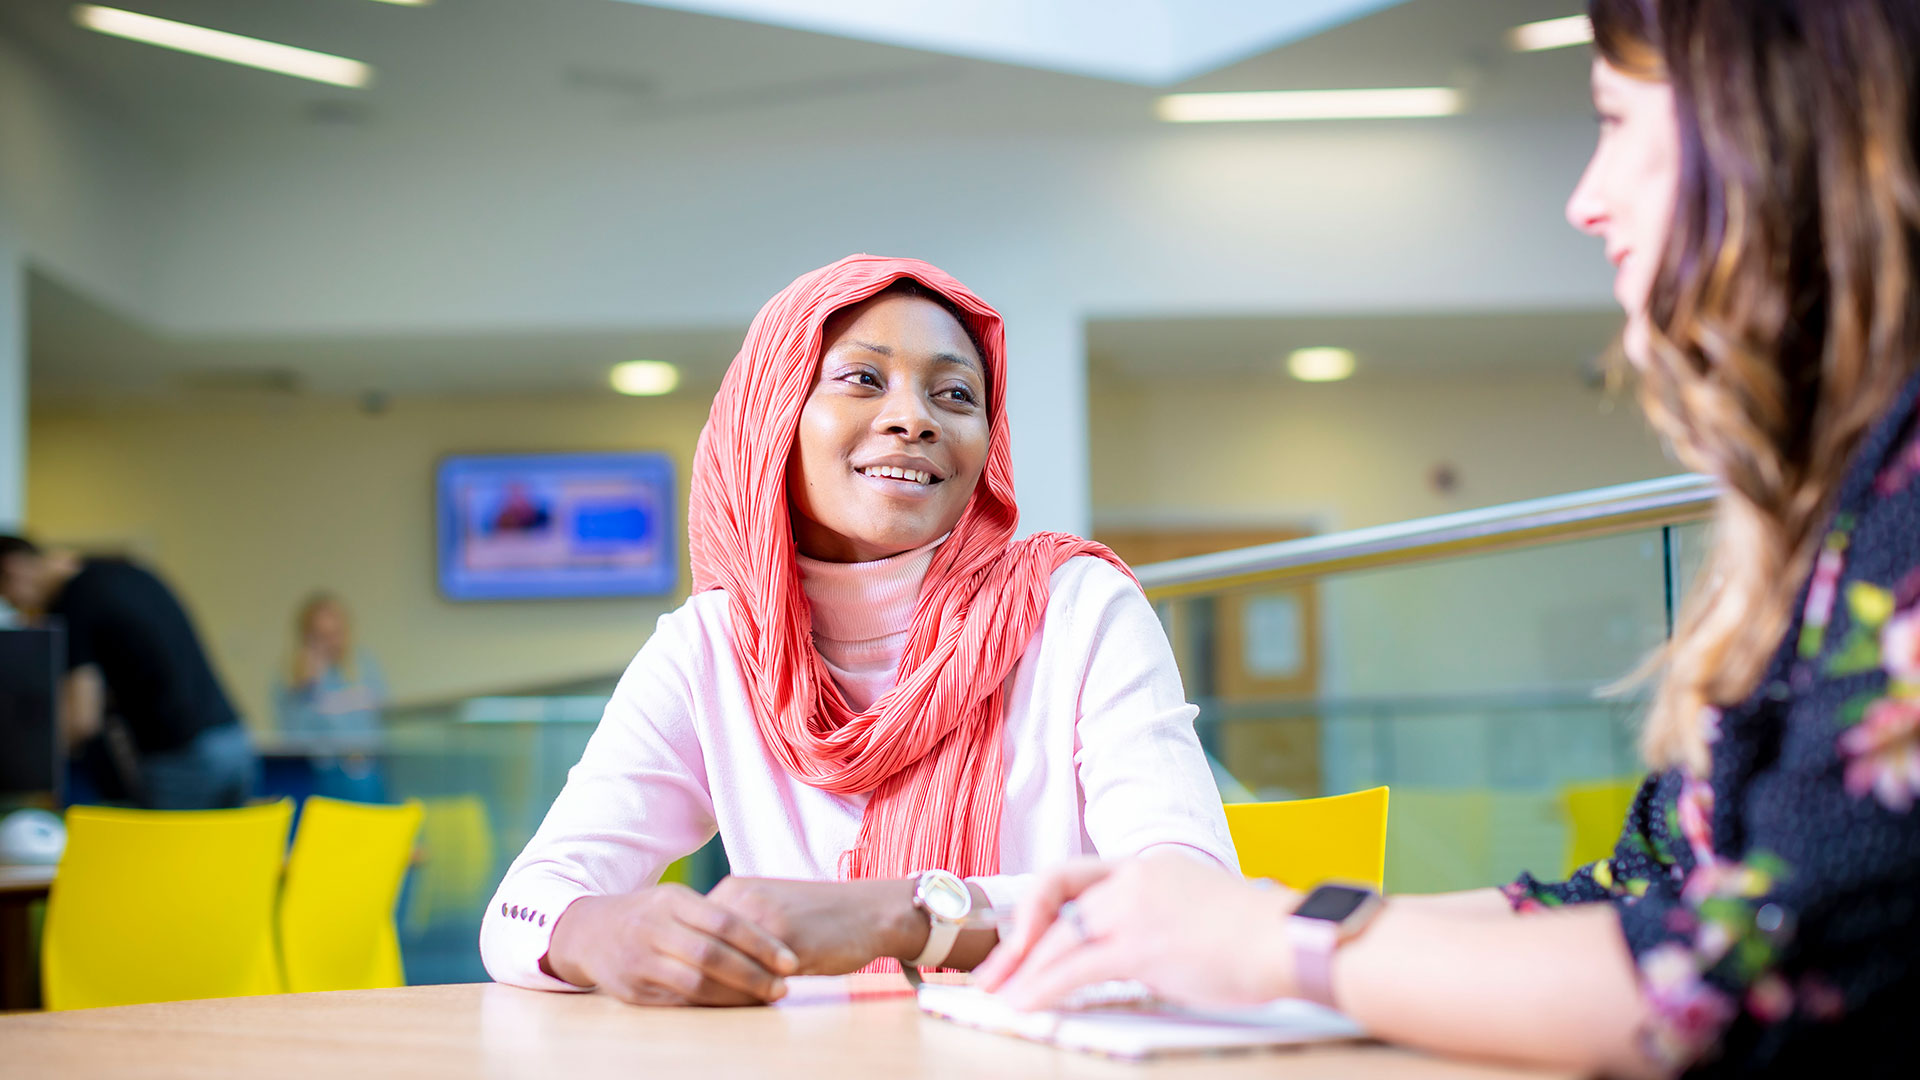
518	930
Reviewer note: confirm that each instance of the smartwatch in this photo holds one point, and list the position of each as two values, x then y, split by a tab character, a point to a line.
948	904
1330	915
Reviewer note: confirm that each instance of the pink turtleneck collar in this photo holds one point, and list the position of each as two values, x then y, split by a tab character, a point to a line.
861	614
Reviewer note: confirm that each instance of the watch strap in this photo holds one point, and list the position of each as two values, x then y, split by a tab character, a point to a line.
1314	942
941	934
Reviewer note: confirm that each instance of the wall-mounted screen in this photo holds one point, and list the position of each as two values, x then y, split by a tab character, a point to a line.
556	525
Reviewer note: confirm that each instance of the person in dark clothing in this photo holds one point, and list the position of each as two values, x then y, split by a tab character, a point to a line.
132	654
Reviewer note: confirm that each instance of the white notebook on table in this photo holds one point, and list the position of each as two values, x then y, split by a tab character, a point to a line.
1122	1021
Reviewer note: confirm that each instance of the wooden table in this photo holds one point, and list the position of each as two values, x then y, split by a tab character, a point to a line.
845	1029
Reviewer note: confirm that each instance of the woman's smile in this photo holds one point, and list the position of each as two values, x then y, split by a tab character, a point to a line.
909	478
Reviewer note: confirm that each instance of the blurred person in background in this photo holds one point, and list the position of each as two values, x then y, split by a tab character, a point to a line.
891	710
138	678
1756	187
332	698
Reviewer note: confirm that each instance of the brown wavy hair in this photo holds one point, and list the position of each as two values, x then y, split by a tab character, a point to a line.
1785	314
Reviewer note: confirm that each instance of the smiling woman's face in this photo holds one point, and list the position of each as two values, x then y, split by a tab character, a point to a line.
893	437
1626	195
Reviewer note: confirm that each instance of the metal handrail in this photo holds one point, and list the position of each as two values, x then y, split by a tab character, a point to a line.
1670	500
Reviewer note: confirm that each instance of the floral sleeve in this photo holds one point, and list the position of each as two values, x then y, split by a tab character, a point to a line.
1773	905
1641	856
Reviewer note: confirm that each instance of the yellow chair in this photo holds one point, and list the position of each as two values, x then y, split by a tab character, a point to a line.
457	862
1596	813
343	881
164	905
678	872
1442	839
1303	842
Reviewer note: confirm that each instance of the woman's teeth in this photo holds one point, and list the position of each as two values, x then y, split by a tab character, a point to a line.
892	473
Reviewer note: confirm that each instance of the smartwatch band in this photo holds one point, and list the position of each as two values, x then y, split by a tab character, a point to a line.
1314	942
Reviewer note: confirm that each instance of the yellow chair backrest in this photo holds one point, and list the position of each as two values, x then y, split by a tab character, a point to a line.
164	905
343	882
1595	815
1303	842
457	865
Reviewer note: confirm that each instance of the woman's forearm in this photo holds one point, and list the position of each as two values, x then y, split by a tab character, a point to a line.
1472	903
1555	988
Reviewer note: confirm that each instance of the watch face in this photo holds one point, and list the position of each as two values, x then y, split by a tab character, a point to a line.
1332	903
946	896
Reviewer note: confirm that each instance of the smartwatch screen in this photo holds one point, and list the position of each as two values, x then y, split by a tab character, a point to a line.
1332	903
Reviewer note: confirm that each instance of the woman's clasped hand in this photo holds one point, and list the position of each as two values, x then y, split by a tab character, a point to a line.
669	945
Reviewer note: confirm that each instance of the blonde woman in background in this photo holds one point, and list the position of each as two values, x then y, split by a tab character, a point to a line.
332	697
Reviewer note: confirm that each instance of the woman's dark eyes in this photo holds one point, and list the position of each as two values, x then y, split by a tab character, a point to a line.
953	393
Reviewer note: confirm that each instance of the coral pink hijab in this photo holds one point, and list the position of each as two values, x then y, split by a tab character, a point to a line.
929	750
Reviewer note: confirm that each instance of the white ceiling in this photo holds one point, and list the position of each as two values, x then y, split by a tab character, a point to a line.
612	69
81	352
1238	347
1154	42
600	69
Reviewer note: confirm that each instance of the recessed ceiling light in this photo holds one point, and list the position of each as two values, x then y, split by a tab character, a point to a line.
1321	363
1550	34
1407	101
220	45
644	378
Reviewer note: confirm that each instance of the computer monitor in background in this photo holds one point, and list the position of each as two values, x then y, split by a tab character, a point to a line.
31	664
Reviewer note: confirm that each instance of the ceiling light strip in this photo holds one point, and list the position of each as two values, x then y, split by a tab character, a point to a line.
1550	34
1411	101
220	45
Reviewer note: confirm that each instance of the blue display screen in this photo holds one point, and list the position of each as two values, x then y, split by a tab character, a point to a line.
527	526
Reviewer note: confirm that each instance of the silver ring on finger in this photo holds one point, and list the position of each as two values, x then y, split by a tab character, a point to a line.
1076	920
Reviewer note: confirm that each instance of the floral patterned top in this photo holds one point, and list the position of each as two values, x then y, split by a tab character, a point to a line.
1773	906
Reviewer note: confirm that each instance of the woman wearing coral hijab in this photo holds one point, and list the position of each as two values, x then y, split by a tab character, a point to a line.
1756	187
888	707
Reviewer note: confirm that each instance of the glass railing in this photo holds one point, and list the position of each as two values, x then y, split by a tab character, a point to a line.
1456	659
1459	660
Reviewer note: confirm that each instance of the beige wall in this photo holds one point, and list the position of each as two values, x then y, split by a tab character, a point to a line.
245	506
1357	453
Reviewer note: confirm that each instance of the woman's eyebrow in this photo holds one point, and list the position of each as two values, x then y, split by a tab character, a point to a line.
956	360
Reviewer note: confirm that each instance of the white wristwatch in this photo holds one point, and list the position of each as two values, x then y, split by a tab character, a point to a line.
948	904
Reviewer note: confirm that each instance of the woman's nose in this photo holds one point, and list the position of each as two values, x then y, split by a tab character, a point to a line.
905	413
1585	210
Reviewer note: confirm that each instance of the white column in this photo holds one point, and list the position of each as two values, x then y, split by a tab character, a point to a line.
1047	404
13	386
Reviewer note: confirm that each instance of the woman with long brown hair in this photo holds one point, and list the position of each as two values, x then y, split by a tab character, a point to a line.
1756	187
